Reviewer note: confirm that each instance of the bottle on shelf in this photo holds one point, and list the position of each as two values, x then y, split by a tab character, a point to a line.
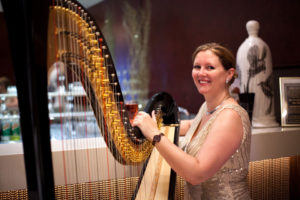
6	128
15	128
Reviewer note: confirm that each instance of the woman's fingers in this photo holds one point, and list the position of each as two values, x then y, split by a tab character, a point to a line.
139	118
146	123
153	116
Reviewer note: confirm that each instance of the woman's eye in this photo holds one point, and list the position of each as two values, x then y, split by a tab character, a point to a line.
210	67
196	67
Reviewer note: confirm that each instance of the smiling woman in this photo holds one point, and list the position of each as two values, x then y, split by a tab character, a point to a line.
213	66
214	154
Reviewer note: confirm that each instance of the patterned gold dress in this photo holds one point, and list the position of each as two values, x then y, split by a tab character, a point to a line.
230	182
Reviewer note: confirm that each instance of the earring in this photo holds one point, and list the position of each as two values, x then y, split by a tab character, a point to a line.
227	81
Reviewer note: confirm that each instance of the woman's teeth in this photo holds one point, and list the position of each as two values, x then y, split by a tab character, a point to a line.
201	81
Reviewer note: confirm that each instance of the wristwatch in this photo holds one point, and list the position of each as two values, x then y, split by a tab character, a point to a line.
156	138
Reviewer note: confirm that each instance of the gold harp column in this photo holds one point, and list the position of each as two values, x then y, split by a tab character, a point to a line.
136	20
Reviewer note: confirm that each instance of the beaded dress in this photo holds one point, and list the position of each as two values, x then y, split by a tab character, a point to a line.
230	182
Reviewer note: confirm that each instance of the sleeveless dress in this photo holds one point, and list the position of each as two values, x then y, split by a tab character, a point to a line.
230	182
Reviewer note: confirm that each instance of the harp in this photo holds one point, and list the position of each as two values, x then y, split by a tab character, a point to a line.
75	40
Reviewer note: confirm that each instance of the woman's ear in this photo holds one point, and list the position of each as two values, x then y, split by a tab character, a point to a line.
230	73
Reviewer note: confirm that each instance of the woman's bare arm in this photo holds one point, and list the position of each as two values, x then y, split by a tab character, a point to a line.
184	126
224	138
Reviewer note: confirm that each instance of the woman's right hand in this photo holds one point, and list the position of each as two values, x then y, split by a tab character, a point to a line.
147	124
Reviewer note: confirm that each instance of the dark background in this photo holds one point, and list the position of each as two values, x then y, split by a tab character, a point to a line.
178	27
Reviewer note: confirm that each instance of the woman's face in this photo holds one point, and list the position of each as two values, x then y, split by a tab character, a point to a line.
208	73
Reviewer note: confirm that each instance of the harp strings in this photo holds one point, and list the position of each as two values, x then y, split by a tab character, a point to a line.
65	34
82	52
82	105
67	26
59	68
78	106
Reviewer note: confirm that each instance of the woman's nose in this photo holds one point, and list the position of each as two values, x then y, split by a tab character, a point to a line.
201	72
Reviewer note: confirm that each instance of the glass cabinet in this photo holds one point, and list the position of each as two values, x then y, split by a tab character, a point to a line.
70	116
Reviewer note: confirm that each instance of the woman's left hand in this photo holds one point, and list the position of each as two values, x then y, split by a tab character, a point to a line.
147	124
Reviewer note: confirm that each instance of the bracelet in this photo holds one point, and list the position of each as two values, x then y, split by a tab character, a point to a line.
156	138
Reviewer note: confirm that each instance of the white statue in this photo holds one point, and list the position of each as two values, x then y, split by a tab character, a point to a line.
254	63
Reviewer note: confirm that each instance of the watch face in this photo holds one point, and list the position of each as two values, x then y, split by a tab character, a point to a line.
156	138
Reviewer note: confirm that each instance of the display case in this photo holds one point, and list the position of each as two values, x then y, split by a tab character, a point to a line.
70	116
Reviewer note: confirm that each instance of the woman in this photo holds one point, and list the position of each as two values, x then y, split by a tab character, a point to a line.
215	156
